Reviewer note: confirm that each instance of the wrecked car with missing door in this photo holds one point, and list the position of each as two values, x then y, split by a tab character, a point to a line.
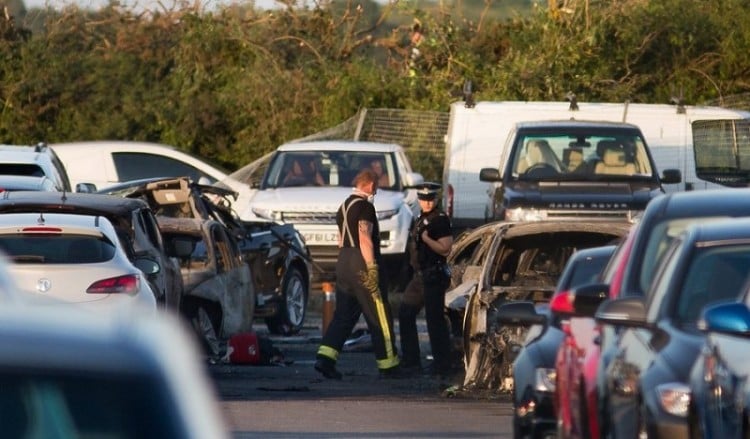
279	261
219	300
502	262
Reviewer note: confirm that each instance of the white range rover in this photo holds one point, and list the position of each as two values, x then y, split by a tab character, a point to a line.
306	182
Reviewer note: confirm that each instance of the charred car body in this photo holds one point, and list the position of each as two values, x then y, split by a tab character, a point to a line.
279	261
518	262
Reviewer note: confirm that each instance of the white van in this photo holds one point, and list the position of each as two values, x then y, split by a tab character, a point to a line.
108	162
476	135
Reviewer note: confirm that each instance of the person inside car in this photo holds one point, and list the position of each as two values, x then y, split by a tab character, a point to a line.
377	166
303	174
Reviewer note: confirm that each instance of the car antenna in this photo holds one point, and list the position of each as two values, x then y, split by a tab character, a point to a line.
468	94
571	97
679	101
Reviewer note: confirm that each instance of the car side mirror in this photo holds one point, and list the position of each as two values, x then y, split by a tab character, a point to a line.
671	176
86	188
579	302
726	318
413	179
489	174
627	311
147	266
521	313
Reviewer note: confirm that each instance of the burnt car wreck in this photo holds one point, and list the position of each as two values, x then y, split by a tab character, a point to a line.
504	262
278	260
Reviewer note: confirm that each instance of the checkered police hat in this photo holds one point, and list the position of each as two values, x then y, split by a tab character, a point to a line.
427	190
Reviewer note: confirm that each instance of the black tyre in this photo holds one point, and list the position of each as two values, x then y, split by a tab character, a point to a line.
205	317
293	307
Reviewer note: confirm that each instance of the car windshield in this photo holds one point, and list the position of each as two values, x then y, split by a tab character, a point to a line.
662	236
38	403
715	274
580	155
329	168
56	248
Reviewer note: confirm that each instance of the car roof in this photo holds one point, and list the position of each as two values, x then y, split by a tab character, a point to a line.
594	252
703	203
575	124
734	229
340	145
26	182
125	145
141	186
70	223
69	202
65	339
618	228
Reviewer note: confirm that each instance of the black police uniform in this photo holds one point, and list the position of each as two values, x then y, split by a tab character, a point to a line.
353	298
427	288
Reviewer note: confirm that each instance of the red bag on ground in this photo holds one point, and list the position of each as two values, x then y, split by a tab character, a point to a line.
245	349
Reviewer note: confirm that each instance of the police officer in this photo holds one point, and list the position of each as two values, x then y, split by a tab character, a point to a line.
431	240
357	283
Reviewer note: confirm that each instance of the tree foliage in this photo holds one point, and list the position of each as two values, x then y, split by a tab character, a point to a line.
233	83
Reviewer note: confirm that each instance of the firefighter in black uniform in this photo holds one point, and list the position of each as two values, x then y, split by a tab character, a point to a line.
431	239
357	283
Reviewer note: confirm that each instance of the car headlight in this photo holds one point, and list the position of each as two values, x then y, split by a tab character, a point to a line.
268	214
674	398
521	214
385	214
545	379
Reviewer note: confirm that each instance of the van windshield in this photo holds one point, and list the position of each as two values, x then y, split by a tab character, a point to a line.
580	156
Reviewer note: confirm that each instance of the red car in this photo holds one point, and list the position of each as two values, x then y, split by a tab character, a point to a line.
578	355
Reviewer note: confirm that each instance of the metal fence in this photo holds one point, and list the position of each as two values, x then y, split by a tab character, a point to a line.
421	133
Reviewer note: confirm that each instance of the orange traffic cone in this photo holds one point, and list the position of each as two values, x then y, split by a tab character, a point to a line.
329	304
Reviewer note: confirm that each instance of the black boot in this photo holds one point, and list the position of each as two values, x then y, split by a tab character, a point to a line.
327	368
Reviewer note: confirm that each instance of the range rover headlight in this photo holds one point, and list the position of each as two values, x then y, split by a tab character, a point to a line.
268	214
674	398
385	214
521	214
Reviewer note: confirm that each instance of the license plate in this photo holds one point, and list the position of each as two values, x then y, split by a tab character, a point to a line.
321	238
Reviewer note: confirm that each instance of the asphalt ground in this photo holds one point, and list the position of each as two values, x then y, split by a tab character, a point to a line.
289	399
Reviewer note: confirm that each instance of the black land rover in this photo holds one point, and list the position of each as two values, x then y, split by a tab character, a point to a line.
571	169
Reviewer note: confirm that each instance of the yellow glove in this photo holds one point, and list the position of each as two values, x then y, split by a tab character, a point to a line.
369	278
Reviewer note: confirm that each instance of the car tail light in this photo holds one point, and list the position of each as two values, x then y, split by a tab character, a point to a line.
41	230
128	284
562	303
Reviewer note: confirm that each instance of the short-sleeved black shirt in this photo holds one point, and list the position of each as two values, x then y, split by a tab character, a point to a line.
358	209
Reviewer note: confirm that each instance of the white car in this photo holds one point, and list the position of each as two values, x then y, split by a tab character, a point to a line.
34	161
311	204
107	163
76	259
66	372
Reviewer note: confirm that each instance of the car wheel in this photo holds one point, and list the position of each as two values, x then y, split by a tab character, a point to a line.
205	317
518	432
642	432
583	416
291	314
